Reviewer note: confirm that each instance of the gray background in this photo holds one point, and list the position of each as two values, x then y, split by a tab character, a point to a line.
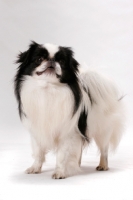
101	34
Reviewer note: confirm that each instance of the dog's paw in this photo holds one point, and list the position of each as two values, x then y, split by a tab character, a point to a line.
58	175
101	168
33	170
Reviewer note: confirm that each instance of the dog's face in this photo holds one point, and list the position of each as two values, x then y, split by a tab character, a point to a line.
48	62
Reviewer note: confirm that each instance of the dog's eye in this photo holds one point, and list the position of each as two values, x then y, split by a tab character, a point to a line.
39	60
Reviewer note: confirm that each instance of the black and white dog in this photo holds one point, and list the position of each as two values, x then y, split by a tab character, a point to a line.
63	106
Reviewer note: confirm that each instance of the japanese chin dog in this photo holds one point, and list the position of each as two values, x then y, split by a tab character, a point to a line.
64	107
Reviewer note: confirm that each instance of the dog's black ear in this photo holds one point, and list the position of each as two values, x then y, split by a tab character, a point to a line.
70	56
74	64
24	57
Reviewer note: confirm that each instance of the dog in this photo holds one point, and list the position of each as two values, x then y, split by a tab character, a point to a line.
65	107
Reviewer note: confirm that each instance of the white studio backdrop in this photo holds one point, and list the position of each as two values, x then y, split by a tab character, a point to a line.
100	32
101	35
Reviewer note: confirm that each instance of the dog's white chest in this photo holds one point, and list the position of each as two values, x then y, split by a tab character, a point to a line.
47	107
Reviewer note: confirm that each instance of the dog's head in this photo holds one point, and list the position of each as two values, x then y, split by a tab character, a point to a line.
48	62
51	64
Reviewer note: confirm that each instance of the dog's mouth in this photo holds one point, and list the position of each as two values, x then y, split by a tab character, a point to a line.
48	70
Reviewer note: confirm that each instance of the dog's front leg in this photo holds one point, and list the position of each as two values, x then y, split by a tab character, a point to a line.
68	156
39	156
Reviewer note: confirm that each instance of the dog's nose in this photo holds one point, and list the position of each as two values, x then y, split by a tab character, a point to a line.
51	62
51	59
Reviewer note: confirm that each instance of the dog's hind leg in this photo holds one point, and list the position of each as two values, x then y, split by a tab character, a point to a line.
103	164
103	145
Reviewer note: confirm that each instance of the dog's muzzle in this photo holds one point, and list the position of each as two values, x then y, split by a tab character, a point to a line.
50	67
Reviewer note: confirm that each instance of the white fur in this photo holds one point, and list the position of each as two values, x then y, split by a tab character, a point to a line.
52	49
49	109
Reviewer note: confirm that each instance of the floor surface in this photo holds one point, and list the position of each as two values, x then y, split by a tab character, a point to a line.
115	184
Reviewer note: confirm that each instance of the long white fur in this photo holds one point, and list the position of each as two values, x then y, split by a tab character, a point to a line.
49	109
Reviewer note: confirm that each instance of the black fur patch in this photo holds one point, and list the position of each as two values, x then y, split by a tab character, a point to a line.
82	124
69	68
77	95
